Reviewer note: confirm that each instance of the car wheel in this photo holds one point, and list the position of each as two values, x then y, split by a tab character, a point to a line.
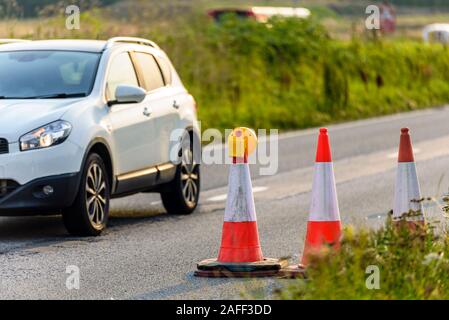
184	191
88	216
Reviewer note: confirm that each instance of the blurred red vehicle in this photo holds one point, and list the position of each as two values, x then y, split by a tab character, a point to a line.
260	14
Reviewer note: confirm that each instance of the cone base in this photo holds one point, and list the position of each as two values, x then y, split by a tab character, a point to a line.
265	264
229	274
240	243
321	235
266	268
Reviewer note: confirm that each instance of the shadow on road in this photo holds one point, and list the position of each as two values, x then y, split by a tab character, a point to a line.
185	288
22	233
31	228
247	288
133	217
51	228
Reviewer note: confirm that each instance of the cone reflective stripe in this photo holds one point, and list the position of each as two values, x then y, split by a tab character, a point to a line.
324	205
407	192
324	226
240	253
240	238
240	201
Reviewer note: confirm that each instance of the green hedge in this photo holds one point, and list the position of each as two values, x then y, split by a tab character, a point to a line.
291	74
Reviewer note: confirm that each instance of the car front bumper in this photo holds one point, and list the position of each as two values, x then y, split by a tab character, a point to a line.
30	199
26	166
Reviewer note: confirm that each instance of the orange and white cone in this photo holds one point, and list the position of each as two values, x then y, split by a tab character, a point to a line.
240	237
407	196
240	251
324	225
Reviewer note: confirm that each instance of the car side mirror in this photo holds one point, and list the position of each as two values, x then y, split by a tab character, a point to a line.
128	94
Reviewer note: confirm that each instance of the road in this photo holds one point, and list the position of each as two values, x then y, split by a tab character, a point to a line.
147	254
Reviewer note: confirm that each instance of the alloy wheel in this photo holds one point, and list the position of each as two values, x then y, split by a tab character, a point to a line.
189	177
96	203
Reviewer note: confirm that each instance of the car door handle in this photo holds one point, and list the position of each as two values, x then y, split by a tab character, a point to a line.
146	112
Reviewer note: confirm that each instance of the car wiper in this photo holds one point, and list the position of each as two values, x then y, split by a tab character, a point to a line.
59	96
50	96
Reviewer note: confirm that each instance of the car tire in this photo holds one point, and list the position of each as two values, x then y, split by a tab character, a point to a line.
89	214
184	191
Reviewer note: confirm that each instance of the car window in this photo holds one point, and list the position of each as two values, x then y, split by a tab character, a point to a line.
150	71
40	74
165	68
121	71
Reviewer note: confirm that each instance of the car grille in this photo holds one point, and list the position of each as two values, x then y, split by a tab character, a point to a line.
4	147
7	186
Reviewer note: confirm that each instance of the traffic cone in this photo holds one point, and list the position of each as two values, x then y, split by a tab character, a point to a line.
240	253
240	238
324	225
407	196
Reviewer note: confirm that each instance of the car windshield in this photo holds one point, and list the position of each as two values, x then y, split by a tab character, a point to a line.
47	74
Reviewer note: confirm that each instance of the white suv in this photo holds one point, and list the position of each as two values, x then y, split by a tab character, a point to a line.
83	121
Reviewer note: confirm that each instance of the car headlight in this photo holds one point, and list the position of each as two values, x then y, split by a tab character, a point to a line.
49	135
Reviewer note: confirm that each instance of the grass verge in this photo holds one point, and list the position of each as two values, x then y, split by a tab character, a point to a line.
411	265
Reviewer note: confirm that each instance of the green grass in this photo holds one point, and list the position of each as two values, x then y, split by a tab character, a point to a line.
411	266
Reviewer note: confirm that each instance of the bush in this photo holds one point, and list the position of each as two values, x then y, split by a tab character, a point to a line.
412	265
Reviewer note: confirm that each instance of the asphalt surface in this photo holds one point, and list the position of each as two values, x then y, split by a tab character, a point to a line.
147	254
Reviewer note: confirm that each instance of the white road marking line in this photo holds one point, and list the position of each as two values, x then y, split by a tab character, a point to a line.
155	203
223	197
395	154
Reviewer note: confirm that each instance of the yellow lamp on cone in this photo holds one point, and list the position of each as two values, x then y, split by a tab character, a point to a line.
242	142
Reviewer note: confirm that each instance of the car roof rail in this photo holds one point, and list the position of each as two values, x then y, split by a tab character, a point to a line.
6	41
140	41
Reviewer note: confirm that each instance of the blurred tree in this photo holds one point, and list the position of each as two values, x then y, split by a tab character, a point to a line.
9	9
